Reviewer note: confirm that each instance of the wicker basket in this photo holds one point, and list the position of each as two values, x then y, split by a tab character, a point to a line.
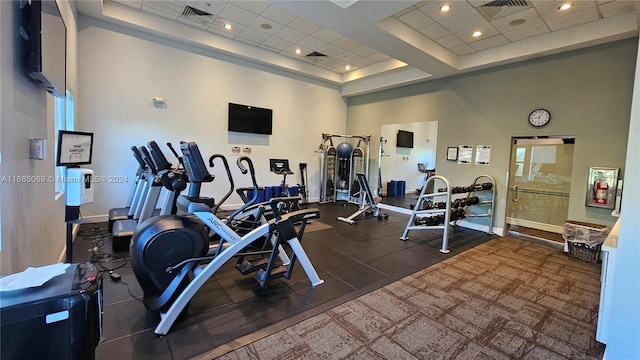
584	252
581	232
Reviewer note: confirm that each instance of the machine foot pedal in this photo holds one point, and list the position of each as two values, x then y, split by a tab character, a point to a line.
247	267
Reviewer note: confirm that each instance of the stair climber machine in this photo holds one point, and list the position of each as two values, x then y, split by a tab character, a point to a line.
172	258
159	176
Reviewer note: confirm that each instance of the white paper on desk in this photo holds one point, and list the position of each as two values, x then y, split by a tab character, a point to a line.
32	277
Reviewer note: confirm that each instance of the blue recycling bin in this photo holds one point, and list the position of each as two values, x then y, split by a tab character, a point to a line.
402	187
392	188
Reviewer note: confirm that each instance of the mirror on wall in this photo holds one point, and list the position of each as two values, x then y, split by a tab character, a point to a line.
400	163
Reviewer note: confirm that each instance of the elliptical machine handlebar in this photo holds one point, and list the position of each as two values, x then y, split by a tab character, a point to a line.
228	170
252	172
175	153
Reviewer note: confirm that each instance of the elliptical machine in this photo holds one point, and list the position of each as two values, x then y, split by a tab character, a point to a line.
171	257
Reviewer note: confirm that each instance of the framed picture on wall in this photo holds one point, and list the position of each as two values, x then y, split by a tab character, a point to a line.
452	153
602	186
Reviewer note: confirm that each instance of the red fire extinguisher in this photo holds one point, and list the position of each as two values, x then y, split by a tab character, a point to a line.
601	189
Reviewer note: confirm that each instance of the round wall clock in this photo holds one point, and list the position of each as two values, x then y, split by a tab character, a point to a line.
539	117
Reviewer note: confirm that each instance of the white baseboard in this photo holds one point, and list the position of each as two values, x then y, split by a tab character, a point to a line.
536	225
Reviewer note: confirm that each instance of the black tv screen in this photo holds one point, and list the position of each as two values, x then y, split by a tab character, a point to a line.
404	139
46	49
250	119
74	148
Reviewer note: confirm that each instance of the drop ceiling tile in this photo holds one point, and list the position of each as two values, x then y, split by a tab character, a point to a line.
246	41
363	50
527	32
171	7
253	35
549	10
261	21
238	14
405	10
212	7
311	42
416	19
463	21
346	43
530	17
333	62
256	7
434	31
304	26
487	31
463	50
378	57
617	7
289	34
164	14
277	43
195	22
450	41
573	19
222	32
489	42
137	4
348	56
326	35
279	15
362	62
219	23
291	51
432	9
331	50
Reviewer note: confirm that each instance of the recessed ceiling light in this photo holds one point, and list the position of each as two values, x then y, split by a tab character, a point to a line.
445	8
565	6
227	26
266	26
298	51
347	67
476	33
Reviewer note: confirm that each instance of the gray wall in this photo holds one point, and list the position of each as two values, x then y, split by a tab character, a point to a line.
33	227
588	93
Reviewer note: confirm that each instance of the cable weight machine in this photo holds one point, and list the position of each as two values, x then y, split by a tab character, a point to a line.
343	156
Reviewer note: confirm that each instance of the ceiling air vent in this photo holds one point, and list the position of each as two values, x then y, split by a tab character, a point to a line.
500	8
315	54
193	13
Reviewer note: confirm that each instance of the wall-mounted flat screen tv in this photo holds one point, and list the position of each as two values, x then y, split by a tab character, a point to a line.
250	119
46	45
74	148
404	139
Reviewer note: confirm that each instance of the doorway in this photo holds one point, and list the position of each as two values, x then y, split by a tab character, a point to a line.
539	185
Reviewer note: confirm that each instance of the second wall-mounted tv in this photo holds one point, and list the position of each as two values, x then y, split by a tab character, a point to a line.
404	139
250	119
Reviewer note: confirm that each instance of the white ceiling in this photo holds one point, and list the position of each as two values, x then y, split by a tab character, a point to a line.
385	43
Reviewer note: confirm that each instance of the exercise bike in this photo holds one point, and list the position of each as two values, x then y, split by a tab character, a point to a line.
172	260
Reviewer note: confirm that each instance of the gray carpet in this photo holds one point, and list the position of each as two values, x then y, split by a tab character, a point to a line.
505	299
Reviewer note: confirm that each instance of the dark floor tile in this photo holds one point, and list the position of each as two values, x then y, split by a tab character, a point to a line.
204	331
269	306
359	275
127	317
143	346
331	289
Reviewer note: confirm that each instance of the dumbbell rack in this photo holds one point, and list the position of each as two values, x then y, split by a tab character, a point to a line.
491	211
446	211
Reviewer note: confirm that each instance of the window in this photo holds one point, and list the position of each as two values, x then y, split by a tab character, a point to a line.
64	120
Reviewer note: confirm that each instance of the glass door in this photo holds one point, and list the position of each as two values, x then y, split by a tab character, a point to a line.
539	183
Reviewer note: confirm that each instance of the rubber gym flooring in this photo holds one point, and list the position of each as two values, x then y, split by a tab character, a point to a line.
231	309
